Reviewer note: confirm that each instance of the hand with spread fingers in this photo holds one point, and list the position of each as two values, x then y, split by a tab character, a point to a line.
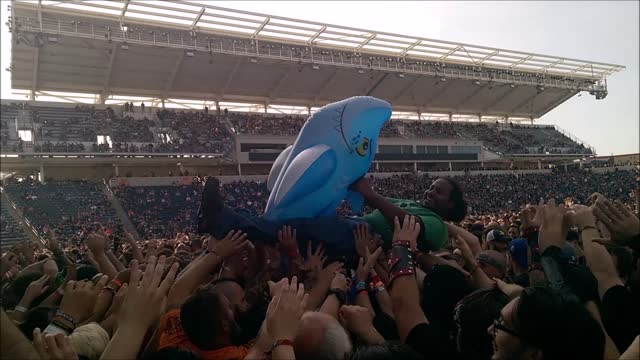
230	244
623	225
287	241
285	311
146	292
315	259
143	304
409	230
366	266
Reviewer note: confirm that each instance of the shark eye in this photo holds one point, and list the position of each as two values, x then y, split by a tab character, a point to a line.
363	147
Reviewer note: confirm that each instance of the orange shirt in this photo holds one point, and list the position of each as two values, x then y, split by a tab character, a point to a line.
172	335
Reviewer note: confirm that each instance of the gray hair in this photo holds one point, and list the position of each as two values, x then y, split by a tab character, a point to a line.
336	344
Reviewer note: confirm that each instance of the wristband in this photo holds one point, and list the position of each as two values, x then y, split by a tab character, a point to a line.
401	261
21	309
62	326
66	316
361	285
405	243
117	283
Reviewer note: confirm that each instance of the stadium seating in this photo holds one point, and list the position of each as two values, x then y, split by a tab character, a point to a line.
256	124
10	232
68	207
60	129
163	211
160	211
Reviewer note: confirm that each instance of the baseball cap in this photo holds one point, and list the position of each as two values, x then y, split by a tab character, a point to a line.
518	250
498	235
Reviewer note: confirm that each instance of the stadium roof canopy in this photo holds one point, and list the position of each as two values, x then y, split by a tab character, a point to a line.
190	50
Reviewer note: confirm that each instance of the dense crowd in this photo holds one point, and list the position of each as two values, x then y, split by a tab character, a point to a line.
197	132
257	124
67	208
211	132
426	278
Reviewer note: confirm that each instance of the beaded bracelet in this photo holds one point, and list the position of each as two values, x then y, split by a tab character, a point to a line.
66	316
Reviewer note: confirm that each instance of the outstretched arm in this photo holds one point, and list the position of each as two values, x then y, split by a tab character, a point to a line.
377	201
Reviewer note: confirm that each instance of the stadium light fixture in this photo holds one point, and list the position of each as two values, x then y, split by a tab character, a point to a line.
253	60
360	71
512	85
401	75
124	47
443	79
477	82
315	67
540	88
52	39
190	54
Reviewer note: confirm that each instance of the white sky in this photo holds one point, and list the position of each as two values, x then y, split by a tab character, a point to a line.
589	30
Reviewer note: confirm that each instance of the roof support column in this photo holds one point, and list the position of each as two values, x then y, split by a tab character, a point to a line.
172	78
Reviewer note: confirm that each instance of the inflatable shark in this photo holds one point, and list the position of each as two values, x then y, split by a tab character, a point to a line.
334	148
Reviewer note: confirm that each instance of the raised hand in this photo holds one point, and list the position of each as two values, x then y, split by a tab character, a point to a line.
80	297
287	240
34	290
231	244
581	216
285	311
409	231
96	243
527	217
53	347
362	238
328	273
146	293
366	266
619	220
315	260
552	224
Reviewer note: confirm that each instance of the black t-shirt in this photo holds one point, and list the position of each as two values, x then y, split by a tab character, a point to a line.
620	316
430	342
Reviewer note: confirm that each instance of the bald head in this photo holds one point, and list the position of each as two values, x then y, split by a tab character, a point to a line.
234	293
320	336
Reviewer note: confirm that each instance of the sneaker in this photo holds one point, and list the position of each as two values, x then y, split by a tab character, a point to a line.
211	202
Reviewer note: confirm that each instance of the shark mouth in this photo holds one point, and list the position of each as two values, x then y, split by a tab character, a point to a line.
338	126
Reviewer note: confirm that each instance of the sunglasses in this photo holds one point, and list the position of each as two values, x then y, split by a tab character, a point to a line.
498	324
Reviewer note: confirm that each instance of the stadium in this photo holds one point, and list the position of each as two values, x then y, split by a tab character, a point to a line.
128	105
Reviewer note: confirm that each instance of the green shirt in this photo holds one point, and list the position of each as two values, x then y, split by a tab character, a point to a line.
434	235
